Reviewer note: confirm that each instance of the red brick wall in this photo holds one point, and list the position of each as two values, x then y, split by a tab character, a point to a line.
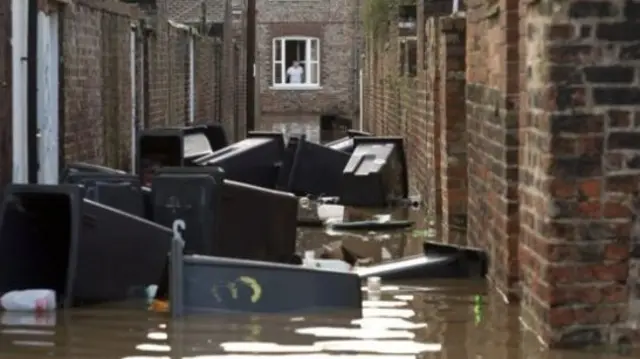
452	126
552	150
579	172
492	94
5	93
96	82
335	23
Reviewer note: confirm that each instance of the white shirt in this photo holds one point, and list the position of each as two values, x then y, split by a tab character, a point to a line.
295	74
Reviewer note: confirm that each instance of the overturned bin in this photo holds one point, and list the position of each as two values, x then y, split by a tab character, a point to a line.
312	169
254	160
439	261
118	190
347	144
77	168
52	238
211	284
177	146
376	173
226	218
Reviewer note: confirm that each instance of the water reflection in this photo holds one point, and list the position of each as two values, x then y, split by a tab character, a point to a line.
434	319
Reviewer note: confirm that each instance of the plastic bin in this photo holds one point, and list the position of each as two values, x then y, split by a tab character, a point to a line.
211	284
177	146
82	167
120	191
226	218
255	160
347	144
376	174
50	237
439	261
316	170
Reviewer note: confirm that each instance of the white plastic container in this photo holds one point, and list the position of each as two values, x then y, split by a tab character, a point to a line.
32	300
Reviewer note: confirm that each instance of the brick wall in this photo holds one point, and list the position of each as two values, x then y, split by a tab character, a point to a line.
5	93
96	80
492	113
453	134
579	170
549	116
334	23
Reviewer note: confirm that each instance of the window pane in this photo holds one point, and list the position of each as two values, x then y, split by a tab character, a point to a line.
277	73
314	70
314	50
277	50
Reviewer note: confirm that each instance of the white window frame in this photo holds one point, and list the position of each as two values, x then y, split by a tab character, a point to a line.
307	85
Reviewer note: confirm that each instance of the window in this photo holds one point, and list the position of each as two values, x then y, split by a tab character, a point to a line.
408	56
296	62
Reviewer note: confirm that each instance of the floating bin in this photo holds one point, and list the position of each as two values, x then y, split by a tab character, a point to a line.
439	261
120	191
254	160
212	284
50	237
346	144
177	146
81	167
376	174
316	170
226	218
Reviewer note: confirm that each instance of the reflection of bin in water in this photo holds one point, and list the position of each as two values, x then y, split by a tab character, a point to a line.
254	160
177	146
226	218
120	191
376	174
88	253
213	284
314	170
347	144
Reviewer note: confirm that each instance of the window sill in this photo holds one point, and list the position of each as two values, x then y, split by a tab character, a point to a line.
295	87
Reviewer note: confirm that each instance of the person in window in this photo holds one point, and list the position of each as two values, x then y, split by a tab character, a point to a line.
295	73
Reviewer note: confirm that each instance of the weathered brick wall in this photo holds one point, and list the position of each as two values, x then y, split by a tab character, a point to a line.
552	172
579	170
332	21
92	80
158	74
452	126
96	79
492	94
178	58
5	93
432	179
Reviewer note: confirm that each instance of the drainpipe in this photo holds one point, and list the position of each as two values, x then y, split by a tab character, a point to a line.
251	18
192	77
19	90
33	135
134	97
456	6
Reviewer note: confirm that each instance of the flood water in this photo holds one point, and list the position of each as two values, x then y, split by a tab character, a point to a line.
425	319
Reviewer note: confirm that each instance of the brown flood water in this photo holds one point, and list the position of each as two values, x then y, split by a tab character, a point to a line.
427	319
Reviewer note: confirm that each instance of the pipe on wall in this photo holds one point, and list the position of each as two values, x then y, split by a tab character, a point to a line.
192	78
134	96
33	133
19	30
